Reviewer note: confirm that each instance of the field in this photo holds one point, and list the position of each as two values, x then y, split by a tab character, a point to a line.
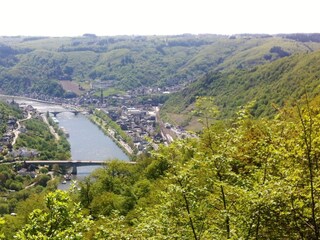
71	87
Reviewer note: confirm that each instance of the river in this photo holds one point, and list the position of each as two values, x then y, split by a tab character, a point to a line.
86	140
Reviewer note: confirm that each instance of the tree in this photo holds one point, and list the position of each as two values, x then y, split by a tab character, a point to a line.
43	180
62	219
205	109
2	236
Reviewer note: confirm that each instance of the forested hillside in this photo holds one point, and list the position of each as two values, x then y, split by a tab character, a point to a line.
271	86
37	64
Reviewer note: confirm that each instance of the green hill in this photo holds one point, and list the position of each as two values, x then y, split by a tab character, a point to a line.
37	64
281	82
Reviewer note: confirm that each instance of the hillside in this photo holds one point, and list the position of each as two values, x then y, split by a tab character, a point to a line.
281	82
37	64
240	179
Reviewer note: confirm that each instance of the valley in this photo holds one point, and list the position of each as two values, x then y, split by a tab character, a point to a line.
223	131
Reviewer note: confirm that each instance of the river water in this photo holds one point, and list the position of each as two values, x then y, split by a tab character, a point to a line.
87	141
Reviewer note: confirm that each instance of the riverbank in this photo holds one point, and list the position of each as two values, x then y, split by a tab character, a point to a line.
111	133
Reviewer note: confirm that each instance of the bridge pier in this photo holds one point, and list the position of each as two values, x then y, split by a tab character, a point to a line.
74	169
55	113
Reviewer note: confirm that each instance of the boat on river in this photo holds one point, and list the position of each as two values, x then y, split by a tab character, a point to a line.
55	120
65	132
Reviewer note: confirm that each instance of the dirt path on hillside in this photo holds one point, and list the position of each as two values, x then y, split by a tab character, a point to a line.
16	132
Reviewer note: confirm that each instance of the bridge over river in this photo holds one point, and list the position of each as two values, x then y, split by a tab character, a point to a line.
55	112
57	109
69	163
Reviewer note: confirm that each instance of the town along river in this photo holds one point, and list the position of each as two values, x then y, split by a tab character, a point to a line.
87	141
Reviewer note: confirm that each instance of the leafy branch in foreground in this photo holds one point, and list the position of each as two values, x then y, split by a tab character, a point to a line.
63	219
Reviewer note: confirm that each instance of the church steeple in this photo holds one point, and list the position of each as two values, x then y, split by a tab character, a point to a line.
101	96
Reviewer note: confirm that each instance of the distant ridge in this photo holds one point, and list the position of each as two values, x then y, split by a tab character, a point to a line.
37	64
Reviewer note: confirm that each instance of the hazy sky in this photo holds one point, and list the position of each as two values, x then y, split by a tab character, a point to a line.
160	17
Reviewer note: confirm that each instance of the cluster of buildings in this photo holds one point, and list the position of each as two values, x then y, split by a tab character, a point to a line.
8	136
138	123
